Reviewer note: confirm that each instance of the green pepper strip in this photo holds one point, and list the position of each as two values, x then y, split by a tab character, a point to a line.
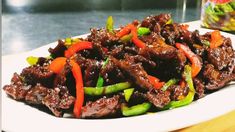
143	31
205	42
32	60
169	21
136	109
100	81
128	93
126	38
169	83
109	24
97	91
189	98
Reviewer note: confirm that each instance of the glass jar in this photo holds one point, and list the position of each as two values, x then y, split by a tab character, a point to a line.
218	14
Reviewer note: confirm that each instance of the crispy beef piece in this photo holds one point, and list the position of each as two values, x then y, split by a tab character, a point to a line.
219	57
149	39
102	37
38	74
57	100
17	89
216	79
91	72
131	50
111	73
117	52
102	107
160	51
199	87
146	63
220	83
58	51
135	71
177	91
171	32
60	79
158	98
36	94
151	21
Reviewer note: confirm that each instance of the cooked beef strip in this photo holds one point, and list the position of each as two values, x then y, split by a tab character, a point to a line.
151	21
58	51
158	98
17	89
177	92
101	108
135	71
56	101
38	74
36	94
199	87
171	33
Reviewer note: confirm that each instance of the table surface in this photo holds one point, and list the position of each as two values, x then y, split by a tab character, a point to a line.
26	31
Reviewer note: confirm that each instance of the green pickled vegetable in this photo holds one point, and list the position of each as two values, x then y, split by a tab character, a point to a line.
32	60
128	93
232	4
205	42
109	24
143	31
225	7
135	110
100	81
169	83
97	91
126	38
169	21
189	98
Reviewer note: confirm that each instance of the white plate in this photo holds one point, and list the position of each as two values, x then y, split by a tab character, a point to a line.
17	116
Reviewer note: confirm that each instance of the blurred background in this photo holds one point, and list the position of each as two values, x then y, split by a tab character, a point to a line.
28	24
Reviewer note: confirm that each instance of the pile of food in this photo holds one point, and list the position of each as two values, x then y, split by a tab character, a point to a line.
145	66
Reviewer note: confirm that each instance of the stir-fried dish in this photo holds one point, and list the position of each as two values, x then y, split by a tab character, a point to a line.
144	66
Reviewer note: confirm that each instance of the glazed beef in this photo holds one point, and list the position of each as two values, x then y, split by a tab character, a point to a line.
177	92
171	33
135	71
38	74
152	21
199	87
102	107
60	79
58	51
57	100
158	98
36	94
17	89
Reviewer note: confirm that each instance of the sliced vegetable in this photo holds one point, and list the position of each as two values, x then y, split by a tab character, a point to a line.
216	39
143	31
169	83
155	82
77	74
126	38
128	93
97	91
131	28
32	60
190	96
205	42
135	110
109	24
57	64
169	21
194	59
69	41
77	47
100	80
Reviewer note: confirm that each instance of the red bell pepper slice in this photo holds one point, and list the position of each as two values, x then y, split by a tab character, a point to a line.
216	39
56	66
196	63
155	82
77	47
76	70
131	28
